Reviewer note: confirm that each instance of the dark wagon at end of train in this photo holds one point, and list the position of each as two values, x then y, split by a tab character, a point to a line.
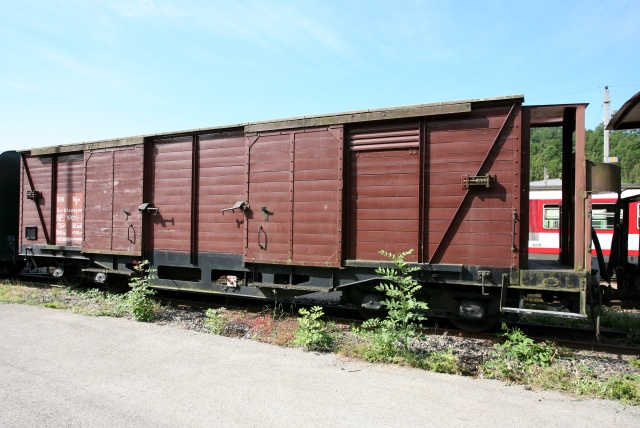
295	206
9	195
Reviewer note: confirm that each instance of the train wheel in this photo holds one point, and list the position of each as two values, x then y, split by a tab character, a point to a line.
473	325
364	300
73	282
14	269
72	277
370	306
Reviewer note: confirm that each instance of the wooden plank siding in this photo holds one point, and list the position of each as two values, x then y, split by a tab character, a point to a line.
384	184
170	177
402	190
392	164
221	183
269	182
114	187
317	190
37	171
58	212
472	226
297	177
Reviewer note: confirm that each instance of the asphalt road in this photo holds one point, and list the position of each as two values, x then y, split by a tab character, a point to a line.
59	369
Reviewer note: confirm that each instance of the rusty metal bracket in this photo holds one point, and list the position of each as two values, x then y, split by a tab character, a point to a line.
503	290
483	274
34	195
514	248
266	213
147	207
478	181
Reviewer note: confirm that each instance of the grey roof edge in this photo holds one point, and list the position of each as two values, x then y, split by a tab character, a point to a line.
447	107
512	98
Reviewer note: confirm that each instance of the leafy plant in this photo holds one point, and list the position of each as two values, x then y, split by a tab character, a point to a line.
525	350
381	342
100	303
278	310
404	309
56	305
140	299
440	362
215	320
622	387
389	339
311	332
518	357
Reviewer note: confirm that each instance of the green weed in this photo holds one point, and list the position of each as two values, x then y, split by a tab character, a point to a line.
56	305
278	311
215	320
623	387
389	339
140	299
391	336
521	360
439	362
311	332
524	349
404	309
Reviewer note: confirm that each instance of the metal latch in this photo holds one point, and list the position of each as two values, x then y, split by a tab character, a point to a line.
240	205
478	180
148	207
34	195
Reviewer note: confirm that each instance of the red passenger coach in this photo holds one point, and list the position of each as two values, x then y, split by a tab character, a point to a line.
295	206
544	227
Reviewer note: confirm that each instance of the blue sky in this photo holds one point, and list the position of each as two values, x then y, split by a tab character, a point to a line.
84	70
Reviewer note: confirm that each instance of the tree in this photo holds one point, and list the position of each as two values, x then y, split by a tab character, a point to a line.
546	150
626	146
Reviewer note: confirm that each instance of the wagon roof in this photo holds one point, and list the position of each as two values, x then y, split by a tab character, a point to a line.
551	114
628	117
451	107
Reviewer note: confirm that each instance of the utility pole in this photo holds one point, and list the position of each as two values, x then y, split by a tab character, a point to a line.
606	122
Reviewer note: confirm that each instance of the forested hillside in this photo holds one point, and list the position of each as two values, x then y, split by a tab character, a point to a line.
546	143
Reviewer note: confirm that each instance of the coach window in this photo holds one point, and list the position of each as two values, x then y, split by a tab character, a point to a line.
603	216
551	217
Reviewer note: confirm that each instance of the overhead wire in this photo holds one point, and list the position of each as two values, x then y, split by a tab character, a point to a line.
601	112
585	90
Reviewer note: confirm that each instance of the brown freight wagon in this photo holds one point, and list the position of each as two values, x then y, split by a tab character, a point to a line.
303	205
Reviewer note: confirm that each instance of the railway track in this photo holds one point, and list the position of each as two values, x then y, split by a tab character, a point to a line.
568	337
436	324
